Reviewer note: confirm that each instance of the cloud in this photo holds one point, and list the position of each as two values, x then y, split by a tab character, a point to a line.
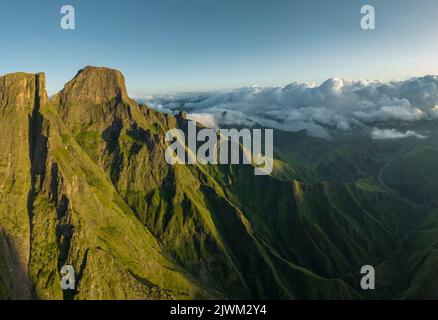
207	120
380	134
337	105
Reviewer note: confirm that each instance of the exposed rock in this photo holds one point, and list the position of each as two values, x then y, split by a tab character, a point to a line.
21	94
96	85
58	207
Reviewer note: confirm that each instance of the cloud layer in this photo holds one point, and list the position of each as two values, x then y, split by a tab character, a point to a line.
337	105
379	134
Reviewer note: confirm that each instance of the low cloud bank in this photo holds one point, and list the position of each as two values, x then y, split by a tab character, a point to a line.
337	105
380	134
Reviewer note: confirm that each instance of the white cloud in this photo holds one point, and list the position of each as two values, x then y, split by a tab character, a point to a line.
207	120
336	105
380	134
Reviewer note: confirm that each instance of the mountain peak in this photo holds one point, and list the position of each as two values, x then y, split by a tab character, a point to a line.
23	90
96	85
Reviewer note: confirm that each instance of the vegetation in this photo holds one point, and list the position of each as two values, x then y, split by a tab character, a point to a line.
84	182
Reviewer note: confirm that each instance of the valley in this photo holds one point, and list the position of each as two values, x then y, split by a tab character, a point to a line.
84	182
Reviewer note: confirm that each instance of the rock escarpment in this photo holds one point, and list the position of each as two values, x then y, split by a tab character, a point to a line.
58	207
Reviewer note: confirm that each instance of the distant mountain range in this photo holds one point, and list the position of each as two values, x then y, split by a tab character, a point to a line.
84	182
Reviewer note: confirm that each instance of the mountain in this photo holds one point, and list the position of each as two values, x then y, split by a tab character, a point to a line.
84	181
58	206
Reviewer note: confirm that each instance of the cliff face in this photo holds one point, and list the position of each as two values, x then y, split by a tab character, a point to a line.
20	97
58	207
22	91
94	85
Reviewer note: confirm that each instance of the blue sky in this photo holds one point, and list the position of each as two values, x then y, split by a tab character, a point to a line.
167	46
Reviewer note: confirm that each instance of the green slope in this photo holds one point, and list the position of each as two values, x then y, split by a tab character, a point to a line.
229	228
76	217
90	187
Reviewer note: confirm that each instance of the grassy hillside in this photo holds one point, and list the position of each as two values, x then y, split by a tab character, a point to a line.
84	182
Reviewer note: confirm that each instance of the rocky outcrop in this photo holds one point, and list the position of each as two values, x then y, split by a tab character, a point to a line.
94	85
22	92
58	207
21	95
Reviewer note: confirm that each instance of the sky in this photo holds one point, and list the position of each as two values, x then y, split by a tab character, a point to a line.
167	46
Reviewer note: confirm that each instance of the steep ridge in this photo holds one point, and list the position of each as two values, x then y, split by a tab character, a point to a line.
66	211
184	207
326	230
20	95
239	234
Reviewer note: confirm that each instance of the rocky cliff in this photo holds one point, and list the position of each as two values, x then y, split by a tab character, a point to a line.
58	207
